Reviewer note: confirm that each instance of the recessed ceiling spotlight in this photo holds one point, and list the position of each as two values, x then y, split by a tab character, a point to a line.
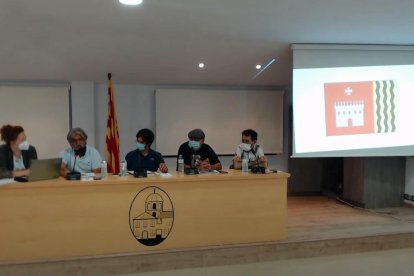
258	67
130	2
201	65
261	70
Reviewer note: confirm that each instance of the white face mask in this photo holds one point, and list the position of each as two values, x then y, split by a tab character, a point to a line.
24	145
245	147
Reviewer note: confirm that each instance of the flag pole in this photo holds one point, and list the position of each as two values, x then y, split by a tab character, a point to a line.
112	134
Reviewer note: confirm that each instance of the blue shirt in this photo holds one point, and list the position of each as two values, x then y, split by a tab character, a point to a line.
85	164
136	161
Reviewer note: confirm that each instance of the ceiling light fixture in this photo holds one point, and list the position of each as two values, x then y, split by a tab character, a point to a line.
258	67
264	68
130	2
201	65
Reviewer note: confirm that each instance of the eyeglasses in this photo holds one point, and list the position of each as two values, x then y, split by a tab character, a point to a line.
77	140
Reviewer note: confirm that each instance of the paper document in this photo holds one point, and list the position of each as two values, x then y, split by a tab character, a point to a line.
87	176
164	174
210	171
7	181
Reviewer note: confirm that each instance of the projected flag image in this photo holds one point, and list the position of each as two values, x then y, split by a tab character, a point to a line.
360	107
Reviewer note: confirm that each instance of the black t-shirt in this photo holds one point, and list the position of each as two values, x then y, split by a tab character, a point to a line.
205	151
136	161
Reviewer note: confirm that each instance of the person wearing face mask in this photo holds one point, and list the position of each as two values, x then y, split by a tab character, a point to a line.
249	149
145	158
79	157
208	159
16	154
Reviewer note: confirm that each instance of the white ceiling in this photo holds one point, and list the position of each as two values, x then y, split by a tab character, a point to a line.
162	41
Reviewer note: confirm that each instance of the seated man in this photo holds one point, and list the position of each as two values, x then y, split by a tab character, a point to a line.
249	149
79	157
144	158
198	154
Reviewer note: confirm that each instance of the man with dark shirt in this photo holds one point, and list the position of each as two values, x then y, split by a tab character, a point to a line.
144	158
198	154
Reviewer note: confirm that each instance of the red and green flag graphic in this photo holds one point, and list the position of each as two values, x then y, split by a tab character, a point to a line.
360	107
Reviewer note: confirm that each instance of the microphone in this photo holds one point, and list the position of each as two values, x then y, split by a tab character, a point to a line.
195	161
192	158
74	175
257	168
74	163
254	153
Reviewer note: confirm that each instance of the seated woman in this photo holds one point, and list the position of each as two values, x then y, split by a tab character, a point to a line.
16	154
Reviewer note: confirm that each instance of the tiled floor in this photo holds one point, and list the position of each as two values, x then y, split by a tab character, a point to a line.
318	217
380	263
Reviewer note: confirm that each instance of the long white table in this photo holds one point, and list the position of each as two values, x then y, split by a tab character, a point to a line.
58	219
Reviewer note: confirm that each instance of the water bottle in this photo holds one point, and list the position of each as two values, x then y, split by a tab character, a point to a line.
123	170
245	163
104	170
180	164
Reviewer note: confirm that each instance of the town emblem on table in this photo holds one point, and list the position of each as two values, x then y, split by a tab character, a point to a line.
151	216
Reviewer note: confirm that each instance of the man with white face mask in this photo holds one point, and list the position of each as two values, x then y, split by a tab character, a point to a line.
17	154
198	154
249	149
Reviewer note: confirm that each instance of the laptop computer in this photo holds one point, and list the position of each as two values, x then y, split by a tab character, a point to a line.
43	169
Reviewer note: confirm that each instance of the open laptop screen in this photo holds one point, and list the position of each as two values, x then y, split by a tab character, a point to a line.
44	169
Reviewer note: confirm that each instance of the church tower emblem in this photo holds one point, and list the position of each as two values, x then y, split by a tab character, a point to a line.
151	216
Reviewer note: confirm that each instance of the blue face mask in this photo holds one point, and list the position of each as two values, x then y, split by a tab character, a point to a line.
195	145
140	146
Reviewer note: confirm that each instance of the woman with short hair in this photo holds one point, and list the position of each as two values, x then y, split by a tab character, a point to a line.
16	154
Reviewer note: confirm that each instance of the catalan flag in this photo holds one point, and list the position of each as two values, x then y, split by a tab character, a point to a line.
361	107
112	134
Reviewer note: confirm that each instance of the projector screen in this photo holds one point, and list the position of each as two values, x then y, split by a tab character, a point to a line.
359	110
